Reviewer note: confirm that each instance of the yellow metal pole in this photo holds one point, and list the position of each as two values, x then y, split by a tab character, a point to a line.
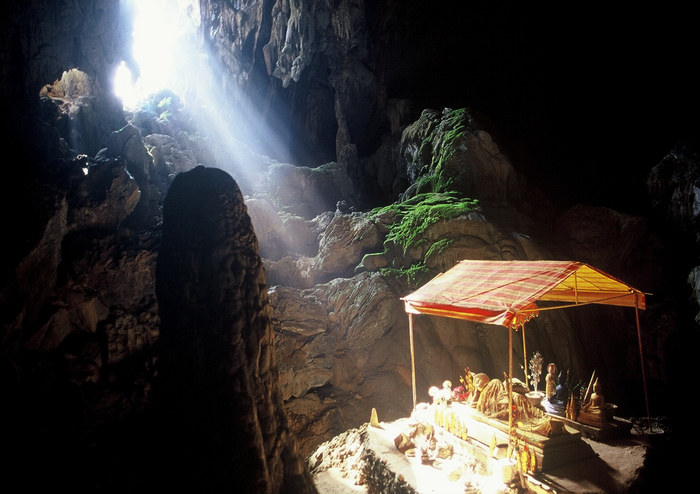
510	385
413	359
641	357
522	327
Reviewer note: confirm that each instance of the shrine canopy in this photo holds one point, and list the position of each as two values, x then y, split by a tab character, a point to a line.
506	292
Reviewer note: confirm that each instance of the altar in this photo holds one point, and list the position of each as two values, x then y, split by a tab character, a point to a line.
561	446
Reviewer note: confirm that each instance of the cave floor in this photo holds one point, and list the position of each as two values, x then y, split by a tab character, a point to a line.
614	466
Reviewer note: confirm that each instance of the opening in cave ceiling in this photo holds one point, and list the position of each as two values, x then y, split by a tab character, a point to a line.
164	47
169	55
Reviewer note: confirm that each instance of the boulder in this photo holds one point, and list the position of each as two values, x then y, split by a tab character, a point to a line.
446	151
308	191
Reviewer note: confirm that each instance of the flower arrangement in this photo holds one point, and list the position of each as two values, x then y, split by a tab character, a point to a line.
536	368
460	394
466	389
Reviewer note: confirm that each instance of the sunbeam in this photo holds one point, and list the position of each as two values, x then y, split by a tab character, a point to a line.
168	55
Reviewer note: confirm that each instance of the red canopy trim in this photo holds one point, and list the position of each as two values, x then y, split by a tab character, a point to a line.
505	292
507	318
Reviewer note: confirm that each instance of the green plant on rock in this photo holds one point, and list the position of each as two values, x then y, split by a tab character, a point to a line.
433	182
413	217
442	140
418	213
165	103
439	247
412	275
456	122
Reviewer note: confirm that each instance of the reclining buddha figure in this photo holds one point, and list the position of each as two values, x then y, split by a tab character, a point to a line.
493	403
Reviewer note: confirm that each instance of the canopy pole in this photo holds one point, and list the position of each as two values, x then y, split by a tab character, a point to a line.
413	359
510	385
641	357
522	327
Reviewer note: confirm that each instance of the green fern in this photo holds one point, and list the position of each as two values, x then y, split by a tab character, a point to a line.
439	247
412	275
418	213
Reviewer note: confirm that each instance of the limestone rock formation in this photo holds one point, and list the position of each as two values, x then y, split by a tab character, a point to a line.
217	391
308	191
449	148
674	189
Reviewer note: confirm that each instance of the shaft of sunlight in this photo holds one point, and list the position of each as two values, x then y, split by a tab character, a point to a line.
169	55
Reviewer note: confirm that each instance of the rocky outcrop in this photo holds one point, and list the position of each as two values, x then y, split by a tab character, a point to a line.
307	191
61	38
447	149
319	67
674	188
224	423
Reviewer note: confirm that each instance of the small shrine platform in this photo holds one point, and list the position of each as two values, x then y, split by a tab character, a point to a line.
564	446
366	461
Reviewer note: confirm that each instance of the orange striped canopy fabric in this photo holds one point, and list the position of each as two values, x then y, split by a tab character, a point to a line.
506	292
